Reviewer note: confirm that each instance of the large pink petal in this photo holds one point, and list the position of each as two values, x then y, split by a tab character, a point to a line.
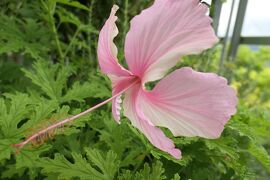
164	32
107	56
107	51
190	103
133	111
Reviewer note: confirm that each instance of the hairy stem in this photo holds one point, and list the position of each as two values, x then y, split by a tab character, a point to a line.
51	11
71	41
61	123
57	41
89	38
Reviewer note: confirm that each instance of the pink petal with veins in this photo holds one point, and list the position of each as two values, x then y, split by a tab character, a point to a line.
190	103
107	51
135	113
163	33
108	62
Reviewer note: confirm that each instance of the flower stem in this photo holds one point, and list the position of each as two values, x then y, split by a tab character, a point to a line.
61	123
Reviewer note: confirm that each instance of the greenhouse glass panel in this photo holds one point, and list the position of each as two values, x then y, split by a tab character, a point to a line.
257	19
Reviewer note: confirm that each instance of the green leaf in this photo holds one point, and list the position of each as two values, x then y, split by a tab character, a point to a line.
51	79
224	146
126	175
66	169
80	167
108	164
5	149
176	177
260	154
147	173
25	36
78	92
13	114
29	157
67	17
9	173
100	86
254	148
73	4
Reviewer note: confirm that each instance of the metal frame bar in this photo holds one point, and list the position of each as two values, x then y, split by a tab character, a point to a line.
236	39
237	29
226	38
216	16
255	40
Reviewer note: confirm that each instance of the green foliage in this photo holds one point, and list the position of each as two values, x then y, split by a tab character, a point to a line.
156	172
16	35
50	79
49	71
252	146
255	87
81	167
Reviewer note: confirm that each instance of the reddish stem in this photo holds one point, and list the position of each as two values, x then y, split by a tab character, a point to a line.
61	123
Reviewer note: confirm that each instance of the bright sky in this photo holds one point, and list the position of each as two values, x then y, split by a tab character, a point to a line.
257	18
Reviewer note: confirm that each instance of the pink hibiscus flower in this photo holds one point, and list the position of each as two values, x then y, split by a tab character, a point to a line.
187	102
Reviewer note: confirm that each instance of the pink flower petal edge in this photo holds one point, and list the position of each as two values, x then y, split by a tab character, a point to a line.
108	62
133	111
107	51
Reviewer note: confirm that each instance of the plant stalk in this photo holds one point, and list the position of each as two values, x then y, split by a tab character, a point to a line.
61	123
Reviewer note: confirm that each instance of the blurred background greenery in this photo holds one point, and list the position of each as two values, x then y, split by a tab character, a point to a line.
49	70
